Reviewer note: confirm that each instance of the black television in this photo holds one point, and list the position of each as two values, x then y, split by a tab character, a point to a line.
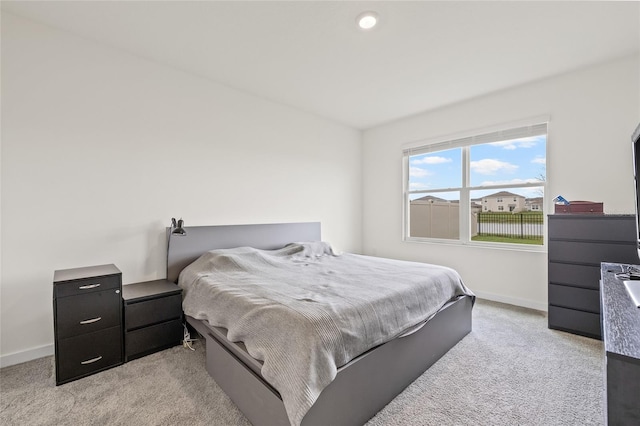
635	141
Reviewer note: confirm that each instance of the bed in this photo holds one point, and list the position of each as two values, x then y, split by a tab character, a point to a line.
360	388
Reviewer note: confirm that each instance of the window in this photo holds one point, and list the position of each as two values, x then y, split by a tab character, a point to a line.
461	189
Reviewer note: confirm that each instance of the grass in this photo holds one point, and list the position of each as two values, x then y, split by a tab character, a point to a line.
496	239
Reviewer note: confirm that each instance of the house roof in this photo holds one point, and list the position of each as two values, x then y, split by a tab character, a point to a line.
430	198
503	194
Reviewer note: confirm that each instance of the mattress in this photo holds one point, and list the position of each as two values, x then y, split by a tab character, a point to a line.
305	312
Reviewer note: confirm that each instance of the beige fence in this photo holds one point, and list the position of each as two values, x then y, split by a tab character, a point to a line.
437	220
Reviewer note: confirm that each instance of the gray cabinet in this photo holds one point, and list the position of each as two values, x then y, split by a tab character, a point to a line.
578	243
621	335
87	319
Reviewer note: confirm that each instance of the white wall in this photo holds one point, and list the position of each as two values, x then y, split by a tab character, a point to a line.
100	149
593	113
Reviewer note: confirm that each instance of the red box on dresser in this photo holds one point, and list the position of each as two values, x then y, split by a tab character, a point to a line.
578	207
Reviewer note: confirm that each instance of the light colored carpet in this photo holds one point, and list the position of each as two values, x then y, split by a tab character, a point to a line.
511	370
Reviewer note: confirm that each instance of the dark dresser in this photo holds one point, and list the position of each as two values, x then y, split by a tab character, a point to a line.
87	318
578	243
621	335
152	317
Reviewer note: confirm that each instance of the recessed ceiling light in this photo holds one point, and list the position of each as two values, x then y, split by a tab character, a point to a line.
367	20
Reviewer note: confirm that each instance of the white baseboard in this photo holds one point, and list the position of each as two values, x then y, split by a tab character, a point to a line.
24	356
525	303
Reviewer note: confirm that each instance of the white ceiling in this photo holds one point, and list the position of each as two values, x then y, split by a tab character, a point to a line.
310	55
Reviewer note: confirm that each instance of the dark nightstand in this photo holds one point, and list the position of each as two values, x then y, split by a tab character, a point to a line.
87	319
152	317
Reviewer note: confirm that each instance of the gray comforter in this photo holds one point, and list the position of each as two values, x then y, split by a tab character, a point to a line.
305	312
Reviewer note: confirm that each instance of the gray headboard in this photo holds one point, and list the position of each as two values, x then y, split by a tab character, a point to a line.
184	249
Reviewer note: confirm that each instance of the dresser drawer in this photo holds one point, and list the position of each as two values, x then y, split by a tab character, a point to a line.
86	285
593	228
591	253
576	275
140	314
575	298
87	313
87	354
579	322
150	339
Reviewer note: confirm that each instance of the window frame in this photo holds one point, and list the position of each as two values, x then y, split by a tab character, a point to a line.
464	141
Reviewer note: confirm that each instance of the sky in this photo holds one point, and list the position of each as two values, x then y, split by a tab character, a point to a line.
514	162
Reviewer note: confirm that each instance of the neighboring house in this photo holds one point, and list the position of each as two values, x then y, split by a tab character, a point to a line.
503	201
533	204
476	205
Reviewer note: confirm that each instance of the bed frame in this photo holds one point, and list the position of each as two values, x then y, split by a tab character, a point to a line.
361	388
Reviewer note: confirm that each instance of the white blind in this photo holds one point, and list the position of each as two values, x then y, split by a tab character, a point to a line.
496	136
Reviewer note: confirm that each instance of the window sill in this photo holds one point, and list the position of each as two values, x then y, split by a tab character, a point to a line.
493	246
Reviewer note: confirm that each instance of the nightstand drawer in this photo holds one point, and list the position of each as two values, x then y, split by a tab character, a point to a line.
87	313
86	285
148	312
87	354
151	339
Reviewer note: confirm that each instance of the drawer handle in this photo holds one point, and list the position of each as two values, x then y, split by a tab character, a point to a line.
87	287
90	321
91	361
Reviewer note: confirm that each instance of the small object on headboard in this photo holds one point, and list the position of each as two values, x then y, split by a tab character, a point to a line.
177	228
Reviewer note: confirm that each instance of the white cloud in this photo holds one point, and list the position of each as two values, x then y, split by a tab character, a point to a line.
432	160
414	186
539	160
517	143
510	182
417	172
490	166
532	192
